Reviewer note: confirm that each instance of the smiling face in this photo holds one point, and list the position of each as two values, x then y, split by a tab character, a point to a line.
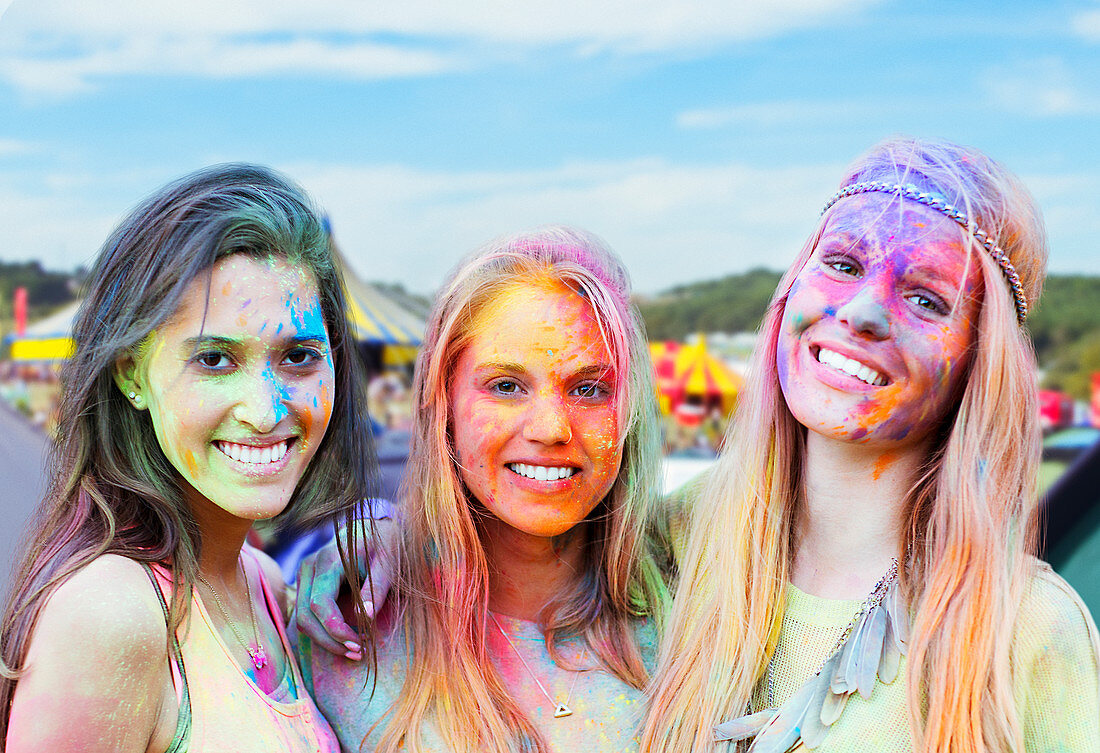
239	385
534	422
876	330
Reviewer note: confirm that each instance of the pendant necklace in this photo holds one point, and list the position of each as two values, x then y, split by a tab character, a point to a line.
868	650
256	650
561	709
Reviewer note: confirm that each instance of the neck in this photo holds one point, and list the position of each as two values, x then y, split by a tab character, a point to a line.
223	536
851	524
527	572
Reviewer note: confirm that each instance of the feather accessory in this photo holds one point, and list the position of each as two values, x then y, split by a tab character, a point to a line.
869	650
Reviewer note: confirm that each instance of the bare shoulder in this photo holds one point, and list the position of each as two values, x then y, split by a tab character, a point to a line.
97	655
110	602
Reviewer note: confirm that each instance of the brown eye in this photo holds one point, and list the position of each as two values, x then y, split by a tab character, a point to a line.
302	357
213	360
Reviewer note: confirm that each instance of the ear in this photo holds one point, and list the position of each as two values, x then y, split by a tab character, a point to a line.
128	378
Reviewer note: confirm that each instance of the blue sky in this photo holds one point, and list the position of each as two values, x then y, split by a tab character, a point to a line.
699	137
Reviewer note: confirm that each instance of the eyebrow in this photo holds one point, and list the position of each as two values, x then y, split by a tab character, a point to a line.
192	344
515	368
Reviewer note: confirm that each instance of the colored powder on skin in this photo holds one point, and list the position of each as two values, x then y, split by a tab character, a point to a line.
884	461
192	465
226	288
242	320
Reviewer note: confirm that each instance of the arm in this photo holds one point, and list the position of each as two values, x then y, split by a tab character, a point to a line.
97	667
321	578
1057	656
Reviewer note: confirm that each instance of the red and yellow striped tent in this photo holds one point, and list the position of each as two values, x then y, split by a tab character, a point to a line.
689	373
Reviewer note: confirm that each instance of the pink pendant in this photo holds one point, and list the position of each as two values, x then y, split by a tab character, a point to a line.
259	656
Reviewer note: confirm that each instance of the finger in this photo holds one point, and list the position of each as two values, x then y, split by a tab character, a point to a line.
328	576
305	615
381	578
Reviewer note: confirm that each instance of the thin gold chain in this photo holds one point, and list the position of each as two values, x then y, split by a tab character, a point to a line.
258	655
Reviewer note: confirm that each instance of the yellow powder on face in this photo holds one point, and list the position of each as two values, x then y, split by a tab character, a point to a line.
242	320
192	466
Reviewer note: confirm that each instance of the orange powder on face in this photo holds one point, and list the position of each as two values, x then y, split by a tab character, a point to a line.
226	288
242	320
878	412
885	460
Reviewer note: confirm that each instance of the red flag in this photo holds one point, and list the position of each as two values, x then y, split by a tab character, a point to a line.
20	309
1096	399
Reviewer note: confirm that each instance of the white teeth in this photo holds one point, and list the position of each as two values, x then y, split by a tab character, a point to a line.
253	455
542	472
851	367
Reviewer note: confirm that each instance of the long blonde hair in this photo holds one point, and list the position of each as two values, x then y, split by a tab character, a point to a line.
443	582
970	518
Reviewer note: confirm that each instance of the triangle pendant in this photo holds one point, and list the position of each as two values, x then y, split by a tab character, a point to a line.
562	710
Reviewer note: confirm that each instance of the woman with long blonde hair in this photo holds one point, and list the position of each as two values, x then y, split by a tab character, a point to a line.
860	572
528	593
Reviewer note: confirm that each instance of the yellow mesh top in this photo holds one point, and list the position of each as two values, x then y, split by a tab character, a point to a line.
1054	656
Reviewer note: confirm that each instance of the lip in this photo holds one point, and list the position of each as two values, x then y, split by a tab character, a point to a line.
853	353
838	379
544	486
258	469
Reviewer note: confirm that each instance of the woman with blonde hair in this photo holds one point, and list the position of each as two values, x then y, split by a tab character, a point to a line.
214	383
860	572
528	593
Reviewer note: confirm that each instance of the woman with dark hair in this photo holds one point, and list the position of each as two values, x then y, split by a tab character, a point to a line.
213	384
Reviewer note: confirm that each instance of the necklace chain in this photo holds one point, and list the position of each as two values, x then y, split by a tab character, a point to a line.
258	655
560	709
878	593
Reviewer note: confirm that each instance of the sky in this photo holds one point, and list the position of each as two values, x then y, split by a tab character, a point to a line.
698	137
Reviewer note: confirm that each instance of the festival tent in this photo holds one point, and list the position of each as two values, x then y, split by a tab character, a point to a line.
47	340
700	378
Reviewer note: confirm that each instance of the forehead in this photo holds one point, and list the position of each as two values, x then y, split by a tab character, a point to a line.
907	233
529	319
248	293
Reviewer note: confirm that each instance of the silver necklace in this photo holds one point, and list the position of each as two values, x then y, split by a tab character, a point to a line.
561	709
255	651
878	593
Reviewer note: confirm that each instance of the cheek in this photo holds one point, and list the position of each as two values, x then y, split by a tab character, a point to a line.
601	434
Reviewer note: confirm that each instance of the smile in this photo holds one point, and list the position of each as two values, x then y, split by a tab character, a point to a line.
541	472
252	455
850	366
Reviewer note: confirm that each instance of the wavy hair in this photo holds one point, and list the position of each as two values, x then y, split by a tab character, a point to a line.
110	488
451	678
970	519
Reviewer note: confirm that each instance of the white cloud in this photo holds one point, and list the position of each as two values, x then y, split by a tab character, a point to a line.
768	114
1087	25
671	223
10	147
61	47
1043	88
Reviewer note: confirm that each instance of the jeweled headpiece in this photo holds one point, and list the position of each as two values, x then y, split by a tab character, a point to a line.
938	203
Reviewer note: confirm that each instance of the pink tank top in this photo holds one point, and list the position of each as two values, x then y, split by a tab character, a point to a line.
229	712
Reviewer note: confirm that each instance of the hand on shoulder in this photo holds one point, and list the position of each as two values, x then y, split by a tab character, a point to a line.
96	666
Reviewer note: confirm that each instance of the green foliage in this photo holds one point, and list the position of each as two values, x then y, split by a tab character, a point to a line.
46	290
731	304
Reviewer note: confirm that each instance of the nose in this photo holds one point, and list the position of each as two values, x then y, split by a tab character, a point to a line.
865	313
264	402
548	421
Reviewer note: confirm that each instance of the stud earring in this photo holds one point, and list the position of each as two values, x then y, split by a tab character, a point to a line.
132	395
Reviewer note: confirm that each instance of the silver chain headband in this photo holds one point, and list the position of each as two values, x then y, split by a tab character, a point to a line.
937	202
